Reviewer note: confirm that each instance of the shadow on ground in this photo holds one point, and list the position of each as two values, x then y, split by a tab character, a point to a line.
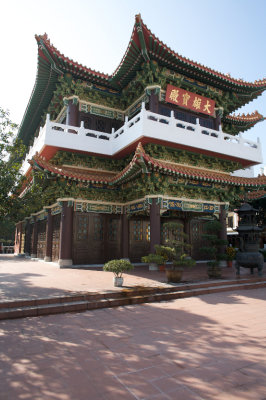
154	351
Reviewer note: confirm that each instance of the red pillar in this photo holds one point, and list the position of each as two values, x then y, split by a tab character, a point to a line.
155	225
72	116
125	236
187	231
66	233
27	238
154	102
34	239
49	237
223	232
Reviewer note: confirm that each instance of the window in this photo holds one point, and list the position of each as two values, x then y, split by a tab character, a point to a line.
98	228
113	229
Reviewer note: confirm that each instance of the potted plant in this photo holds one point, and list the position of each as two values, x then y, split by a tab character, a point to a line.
214	250
176	252
153	260
230	255
118	267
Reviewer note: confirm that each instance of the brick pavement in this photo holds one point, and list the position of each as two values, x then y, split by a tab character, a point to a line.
207	347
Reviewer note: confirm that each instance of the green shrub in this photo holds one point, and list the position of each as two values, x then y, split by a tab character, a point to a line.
118	267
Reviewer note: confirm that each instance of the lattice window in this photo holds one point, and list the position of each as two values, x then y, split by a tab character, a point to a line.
82	228
98	228
88	123
138	230
148	232
113	230
195	232
100	125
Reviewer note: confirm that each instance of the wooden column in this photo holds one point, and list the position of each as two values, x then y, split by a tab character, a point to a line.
72	116
155	225
154	102
49	237
223	232
27	238
66	235
34	239
187	231
125	236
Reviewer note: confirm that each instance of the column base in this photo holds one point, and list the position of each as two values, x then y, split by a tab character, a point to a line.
47	259
64	263
33	255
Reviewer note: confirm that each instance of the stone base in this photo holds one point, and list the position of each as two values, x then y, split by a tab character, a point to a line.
47	259
33	255
65	263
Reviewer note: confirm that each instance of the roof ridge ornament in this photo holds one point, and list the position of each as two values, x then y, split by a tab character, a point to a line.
141	37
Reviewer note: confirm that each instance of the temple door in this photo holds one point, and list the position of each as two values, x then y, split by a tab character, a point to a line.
81	238
196	231
139	238
112	237
56	237
41	239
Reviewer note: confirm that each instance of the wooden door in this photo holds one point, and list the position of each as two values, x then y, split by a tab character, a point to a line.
166	235
96	238
56	237
139	238
41	243
196	240
113	237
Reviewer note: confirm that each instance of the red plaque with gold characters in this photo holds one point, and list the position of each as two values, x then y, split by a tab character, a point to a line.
189	100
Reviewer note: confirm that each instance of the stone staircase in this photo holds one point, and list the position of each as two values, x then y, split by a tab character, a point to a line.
136	295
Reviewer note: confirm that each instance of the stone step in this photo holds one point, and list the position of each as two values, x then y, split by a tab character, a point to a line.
90	301
89	296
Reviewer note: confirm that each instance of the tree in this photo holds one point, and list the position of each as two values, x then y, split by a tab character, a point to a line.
11	154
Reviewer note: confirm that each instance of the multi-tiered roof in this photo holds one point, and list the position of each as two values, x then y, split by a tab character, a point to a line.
143	47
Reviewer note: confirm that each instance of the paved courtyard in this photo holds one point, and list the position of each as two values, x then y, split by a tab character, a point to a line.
209	347
22	278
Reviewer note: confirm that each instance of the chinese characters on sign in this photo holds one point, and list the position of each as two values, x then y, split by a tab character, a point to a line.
190	100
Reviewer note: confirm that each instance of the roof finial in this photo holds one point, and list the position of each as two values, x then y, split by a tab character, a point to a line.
138	18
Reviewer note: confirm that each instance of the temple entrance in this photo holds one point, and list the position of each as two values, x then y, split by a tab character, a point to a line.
196	241
139	238
56	237
41	243
96	238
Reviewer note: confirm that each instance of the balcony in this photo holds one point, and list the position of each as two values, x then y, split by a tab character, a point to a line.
148	127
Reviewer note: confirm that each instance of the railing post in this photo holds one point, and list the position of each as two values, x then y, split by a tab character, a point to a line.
197	126
172	119
81	130
126	124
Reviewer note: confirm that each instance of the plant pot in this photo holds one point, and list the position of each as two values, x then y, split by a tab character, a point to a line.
162	267
118	281
229	263
214	272
153	267
174	275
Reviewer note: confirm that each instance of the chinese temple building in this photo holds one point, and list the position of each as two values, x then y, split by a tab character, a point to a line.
113	157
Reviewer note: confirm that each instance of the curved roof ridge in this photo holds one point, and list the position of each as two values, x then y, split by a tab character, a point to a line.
53	49
239	81
246	117
127	50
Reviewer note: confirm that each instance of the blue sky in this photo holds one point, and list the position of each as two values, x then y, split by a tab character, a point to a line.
228	36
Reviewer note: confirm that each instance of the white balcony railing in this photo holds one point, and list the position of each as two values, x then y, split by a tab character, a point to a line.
151	126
